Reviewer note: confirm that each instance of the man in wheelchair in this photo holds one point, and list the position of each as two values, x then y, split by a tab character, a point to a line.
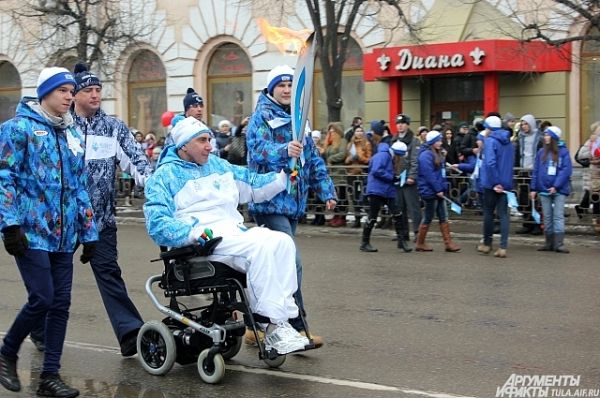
192	190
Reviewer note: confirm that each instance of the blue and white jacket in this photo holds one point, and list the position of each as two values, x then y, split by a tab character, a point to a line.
183	198
541	181
268	134
109	142
42	180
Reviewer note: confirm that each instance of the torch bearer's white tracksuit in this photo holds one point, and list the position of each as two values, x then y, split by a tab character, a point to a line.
183	198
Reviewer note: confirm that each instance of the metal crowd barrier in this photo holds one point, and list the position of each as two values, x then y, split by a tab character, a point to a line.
351	191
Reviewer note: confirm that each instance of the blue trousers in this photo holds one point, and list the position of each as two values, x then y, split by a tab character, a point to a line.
493	201
278	222
124	316
553	207
48	279
433	206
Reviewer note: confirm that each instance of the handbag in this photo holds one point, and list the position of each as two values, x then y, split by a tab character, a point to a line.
583	161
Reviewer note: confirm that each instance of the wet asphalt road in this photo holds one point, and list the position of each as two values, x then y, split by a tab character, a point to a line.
396	325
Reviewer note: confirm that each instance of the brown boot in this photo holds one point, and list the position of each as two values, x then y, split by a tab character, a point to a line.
421	246
450	246
597	225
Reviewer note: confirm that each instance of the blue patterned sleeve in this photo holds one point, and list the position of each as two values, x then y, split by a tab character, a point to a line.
131	158
13	143
261	147
159	210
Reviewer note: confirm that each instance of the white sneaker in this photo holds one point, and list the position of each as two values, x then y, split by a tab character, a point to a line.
285	339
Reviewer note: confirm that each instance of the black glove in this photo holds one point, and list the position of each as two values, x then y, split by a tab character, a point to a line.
88	252
15	241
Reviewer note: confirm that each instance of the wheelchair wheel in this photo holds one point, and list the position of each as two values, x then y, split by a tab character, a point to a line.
275	362
211	373
156	348
231	347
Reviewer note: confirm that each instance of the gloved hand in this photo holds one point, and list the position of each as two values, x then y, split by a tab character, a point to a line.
15	241
88	252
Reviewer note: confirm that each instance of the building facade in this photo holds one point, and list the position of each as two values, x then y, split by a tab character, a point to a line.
466	64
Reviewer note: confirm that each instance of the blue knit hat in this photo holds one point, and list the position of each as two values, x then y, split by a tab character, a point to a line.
84	78
280	73
191	98
52	78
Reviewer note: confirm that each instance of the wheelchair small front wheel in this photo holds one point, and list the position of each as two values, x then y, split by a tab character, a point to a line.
156	348
275	362
211	372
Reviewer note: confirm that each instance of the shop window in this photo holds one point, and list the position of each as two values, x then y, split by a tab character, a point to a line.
229	85
147	92
456	99
590	85
10	90
353	89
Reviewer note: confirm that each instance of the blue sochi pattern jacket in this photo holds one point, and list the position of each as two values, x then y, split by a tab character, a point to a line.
183	198
42	181
109	142
267	137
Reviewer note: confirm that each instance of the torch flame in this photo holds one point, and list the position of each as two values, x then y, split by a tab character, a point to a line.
286	40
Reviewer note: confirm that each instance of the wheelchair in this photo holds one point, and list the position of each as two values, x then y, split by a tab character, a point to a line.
208	334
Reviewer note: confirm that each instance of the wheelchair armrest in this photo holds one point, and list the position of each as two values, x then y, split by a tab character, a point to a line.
192	250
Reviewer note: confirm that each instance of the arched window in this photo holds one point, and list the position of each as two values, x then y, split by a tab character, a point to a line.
229	85
10	90
353	90
590	85
147	92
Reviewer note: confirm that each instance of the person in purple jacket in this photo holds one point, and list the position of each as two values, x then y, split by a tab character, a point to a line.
432	185
550	180
381	190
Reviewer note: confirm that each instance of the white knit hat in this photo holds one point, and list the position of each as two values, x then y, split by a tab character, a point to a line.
52	78
188	129
278	74
399	148
432	137
554	132
492	123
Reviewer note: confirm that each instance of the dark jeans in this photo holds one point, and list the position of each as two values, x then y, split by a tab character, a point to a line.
498	202
278	222
48	279
377	202
434	205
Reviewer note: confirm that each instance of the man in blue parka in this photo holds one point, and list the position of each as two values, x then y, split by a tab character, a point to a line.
496	179
45	212
270	147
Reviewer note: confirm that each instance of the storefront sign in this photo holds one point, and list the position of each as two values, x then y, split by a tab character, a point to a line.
466	57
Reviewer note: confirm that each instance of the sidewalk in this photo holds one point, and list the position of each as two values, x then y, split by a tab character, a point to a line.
463	229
